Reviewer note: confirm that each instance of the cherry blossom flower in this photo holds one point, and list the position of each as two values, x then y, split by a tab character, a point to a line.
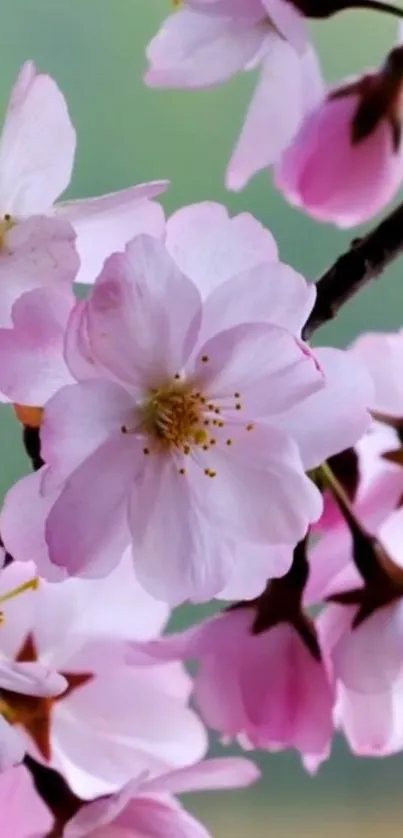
23	814
316	419
147	807
37	149
345	163
266	689
170	417
204	44
113	720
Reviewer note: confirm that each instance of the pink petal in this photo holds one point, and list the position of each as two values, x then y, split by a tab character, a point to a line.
270	369
382	353
141	724
77	350
197	50
22	522
177	555
37	145
289	22
368	659
249	577
30	679
86	530
141	294
79	419
260	492
225	773
39	252
12	750
142	816
24	815
335	416
269	126
32	366
273	293
123	609
104	225
210	247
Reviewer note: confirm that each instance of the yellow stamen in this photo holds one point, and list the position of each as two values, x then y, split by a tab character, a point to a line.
31	585
6	224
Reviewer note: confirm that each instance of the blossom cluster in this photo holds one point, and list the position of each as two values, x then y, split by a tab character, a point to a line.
188	444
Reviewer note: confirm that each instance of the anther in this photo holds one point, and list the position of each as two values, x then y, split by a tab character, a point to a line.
237	395
146	450
182	471
238	406
229	442
250	427
205	359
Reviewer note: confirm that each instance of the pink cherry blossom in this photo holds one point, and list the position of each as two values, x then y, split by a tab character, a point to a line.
205	43
160	474
148	808
23	814
116	375
267	690
345	163
367	663
37	149
114	720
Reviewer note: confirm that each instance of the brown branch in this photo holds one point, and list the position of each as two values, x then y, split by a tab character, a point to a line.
366	260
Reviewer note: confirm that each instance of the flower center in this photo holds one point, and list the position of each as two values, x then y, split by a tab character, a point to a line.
6	224
34	713
173	415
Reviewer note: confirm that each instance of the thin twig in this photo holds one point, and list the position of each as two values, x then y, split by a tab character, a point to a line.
366	260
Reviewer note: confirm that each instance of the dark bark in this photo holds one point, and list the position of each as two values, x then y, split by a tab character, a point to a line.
365	260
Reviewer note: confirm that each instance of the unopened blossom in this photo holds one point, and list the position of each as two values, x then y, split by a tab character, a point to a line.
23	813
268	690
148	808
113	720
345	163
37	149
204	44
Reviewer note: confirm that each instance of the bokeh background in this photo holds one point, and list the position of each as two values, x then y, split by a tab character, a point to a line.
128	134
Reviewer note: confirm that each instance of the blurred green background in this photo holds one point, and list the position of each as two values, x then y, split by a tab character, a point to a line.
128	134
